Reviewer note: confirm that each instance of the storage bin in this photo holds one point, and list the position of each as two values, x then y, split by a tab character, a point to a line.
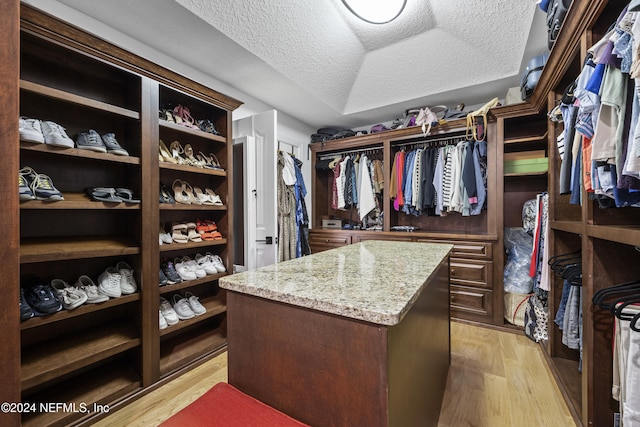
514	307
525	166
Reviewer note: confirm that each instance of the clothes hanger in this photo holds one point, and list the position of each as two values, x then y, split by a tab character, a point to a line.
634	324
622	303
616	291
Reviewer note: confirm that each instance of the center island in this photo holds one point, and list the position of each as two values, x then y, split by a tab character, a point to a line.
353	336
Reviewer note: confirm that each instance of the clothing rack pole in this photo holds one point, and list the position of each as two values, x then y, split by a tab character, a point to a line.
347	152
456	138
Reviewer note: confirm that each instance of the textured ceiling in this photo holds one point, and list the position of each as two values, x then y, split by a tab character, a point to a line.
321	65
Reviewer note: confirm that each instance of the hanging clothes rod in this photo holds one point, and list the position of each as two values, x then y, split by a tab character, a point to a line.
449	139
347	152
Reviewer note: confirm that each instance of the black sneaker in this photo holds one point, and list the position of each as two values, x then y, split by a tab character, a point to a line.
163	278
171	273
109	141
41	297
25	311
90	141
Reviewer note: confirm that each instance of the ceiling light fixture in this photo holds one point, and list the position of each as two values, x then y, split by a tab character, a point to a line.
376	11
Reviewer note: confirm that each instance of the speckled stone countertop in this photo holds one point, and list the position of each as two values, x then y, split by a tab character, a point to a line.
374	281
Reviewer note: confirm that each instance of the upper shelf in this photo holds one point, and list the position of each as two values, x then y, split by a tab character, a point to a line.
76	99
196	132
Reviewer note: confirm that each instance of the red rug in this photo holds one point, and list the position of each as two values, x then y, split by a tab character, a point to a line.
225	405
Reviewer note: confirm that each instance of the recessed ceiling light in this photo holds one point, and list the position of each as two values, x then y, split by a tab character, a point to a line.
376	11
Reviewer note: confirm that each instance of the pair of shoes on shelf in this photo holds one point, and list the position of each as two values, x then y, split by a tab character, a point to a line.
44	132
184	308
182	116
38	186
184	232
183	155
38	298
117	281
107	143
88	286
207	126
212	264
184	193
188	269
187	306
208	230
111	195
210	161
71	296
170	272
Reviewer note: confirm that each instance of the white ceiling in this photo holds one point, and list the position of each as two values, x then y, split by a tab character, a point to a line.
316	62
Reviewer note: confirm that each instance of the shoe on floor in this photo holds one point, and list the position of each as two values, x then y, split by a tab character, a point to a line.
94	296
23	186
41	297
163	322
128	283
25	310
70	296
31	130
182	307
112	146
90	140
54	134
109	282
170	271
168	312
195	304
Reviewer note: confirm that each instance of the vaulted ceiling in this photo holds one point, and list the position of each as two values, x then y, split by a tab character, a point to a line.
320	64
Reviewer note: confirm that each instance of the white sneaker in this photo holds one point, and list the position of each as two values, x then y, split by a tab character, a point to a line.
217	262
163	321
110	282
169	314
195	304
31	130
94	296
205	263
194	266
182	307
183	270
54	134
127	282
70	296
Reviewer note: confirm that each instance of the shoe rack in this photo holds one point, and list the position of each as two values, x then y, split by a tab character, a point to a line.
111	352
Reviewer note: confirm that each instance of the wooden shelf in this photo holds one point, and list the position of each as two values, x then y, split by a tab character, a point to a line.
214	307
65	248
625	234
48	360
525	139
76	152
510	175
574	227
77	201
192	169
76	99
80	311
190	131
179	350
170	289
190	207
192	245
111	382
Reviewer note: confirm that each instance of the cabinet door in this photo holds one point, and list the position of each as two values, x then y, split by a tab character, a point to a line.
469	302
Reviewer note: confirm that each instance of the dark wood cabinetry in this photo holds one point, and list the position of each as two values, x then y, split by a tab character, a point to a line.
104	353
475	291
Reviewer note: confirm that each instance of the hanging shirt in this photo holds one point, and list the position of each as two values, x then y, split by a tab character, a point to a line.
365	191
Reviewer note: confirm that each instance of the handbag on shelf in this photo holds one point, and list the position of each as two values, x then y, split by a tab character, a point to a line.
477	121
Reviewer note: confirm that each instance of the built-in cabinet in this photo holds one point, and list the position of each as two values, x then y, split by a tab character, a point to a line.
113	351
473	270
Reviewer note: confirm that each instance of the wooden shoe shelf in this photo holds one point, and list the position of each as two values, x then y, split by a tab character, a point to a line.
114	351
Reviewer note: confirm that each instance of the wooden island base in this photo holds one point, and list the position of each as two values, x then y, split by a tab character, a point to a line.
329	370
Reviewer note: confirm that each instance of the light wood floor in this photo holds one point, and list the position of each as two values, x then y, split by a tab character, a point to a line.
496	379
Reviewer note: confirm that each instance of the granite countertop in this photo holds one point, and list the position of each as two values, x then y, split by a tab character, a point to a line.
374	281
